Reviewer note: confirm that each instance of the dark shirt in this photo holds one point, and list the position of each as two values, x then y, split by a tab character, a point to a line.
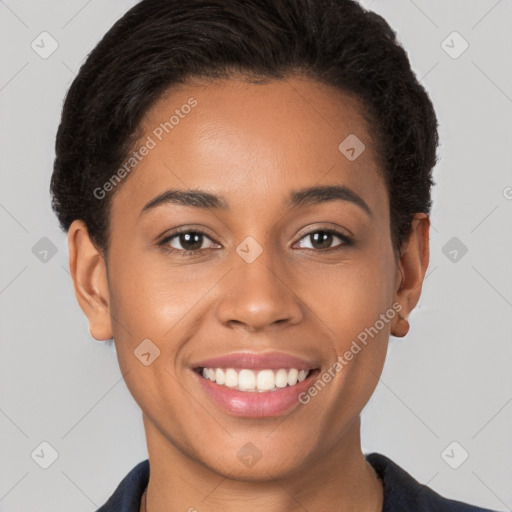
402	493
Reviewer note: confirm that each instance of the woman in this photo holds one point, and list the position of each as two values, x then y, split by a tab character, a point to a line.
246	191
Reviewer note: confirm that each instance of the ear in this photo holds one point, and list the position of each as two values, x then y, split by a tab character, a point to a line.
89	273
412	266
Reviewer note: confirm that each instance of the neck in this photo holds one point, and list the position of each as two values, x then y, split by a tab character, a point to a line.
340	479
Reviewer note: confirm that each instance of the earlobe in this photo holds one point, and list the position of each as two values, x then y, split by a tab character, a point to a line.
412	266
400	327
88	271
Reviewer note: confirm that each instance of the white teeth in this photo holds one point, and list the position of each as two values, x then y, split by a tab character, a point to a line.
266	380
231	378
260	381
219	376
246	380
281	378
292	376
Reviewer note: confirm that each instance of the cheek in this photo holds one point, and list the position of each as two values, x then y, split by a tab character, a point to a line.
146	309
151	300
354	304
148	300
351	296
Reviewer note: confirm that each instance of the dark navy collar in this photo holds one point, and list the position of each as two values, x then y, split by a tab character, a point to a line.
402	493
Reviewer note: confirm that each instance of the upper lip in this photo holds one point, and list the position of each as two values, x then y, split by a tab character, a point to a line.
252	360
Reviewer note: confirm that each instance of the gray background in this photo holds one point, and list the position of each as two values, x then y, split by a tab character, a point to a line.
448	381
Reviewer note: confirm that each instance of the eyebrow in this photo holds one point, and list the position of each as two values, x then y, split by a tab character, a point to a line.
302	197
325	193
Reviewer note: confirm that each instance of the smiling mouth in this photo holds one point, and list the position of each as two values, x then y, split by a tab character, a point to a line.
250	380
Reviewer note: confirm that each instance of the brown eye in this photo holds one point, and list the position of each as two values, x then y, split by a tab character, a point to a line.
190	241
323	239
187	242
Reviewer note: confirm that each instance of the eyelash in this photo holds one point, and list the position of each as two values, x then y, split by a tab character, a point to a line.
346	241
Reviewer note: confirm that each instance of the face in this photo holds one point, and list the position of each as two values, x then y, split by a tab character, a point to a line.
285	253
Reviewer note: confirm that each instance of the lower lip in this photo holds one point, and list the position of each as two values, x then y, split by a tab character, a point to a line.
256	404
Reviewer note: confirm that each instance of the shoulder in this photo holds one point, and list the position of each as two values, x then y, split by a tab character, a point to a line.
127	496
403	493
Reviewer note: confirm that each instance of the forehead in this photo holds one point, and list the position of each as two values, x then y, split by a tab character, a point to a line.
229	136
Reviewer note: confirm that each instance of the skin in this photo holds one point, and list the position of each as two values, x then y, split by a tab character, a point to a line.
253	144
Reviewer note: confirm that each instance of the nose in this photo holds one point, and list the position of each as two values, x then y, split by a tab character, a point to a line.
259	295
